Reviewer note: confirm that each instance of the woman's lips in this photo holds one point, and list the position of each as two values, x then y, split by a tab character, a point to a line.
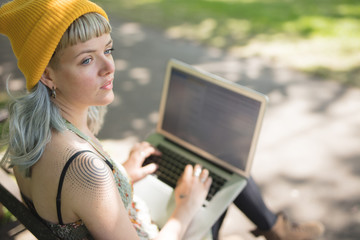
108	85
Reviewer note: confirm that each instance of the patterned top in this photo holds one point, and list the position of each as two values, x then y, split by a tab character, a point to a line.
138	213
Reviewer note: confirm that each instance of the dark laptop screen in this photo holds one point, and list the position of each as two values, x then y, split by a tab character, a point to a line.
217	120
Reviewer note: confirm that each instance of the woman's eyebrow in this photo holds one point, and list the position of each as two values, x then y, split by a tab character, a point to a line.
110	42
85	51
92	50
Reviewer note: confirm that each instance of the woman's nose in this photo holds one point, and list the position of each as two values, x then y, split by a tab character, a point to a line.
108	66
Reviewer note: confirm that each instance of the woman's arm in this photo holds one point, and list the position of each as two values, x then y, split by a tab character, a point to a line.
190	192
92	195
94	198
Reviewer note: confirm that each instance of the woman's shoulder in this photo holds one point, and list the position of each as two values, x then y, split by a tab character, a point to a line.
75	156
85	174
64	142
61	147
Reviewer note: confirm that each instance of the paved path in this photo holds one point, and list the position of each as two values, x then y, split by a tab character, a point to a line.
307	160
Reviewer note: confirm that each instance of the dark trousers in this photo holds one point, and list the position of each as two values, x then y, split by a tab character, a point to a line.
250	202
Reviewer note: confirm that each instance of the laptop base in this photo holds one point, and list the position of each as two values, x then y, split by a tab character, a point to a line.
160	197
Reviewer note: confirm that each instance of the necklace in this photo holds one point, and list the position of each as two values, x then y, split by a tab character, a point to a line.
75	130
127	191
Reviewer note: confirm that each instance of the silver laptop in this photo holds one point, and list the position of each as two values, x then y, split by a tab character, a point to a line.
207	120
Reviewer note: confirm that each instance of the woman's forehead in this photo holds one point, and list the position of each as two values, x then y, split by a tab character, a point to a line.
90	45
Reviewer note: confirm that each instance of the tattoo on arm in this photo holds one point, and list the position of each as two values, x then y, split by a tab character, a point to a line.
90	174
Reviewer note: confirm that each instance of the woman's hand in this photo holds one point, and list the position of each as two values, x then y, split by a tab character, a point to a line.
192	188
137	156
190	194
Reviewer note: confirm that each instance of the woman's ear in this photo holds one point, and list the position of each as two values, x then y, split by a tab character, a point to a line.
47	78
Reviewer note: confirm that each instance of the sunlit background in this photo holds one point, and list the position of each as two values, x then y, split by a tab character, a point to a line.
320	37
303	54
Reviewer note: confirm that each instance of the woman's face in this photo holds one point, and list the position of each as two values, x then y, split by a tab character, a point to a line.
85	72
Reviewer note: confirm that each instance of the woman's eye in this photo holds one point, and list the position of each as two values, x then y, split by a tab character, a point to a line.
109	51
86	61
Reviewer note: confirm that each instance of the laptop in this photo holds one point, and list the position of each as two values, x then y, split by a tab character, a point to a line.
204	119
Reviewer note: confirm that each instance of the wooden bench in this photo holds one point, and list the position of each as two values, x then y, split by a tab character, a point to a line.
10	198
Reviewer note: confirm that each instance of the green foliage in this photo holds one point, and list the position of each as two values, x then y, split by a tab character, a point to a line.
3	103
307	34
7	217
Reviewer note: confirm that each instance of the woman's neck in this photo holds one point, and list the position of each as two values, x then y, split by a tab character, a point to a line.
78	118
74	113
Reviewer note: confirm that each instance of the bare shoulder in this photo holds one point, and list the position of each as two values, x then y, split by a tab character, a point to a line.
56	153
87	177
86	165
88	184
63	145
88	174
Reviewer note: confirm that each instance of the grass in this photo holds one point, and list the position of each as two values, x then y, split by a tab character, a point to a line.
320	37
2	124
3	103
8	217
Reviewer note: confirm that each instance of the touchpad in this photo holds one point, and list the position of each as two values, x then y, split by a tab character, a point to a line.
158	196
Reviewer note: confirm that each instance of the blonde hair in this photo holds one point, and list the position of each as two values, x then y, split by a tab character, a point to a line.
33	116
88	26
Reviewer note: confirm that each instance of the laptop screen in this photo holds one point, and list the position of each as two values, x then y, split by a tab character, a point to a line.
216	119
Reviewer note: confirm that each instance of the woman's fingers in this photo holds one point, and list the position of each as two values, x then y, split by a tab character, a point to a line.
204	175
194	184
145	150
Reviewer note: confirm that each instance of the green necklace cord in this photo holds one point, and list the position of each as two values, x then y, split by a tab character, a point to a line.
75	130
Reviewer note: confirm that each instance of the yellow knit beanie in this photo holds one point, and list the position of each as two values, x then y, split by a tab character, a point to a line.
35	28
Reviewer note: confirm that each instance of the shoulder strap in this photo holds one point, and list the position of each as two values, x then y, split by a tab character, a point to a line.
61	182
89	140
62	178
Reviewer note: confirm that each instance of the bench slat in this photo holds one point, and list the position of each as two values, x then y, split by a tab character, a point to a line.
23	214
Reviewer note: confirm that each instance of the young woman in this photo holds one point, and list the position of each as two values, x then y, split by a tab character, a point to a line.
63	173
64	50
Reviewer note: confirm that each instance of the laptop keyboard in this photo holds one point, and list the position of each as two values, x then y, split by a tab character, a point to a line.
169	170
